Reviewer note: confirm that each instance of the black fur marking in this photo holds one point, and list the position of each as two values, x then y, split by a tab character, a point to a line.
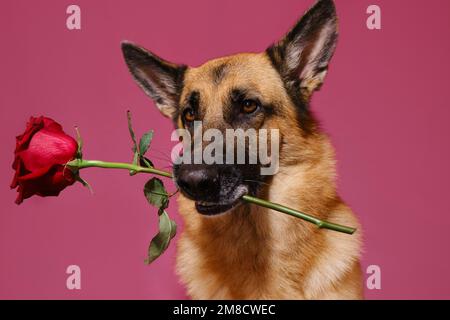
218	73
238	94
194	100
232	111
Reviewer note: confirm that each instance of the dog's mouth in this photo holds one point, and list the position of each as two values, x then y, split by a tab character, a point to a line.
208	208
215	208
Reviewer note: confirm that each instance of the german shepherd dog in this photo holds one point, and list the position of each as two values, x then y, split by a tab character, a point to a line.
253	252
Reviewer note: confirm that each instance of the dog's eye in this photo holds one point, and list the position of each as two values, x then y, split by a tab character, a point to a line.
249	106
189	115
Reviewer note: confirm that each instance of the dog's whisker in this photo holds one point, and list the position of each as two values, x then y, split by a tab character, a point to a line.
162	153
160	158
257	181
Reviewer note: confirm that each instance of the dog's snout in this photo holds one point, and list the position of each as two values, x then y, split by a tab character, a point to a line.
198	182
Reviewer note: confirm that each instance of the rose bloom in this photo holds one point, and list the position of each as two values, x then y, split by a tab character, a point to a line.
40	157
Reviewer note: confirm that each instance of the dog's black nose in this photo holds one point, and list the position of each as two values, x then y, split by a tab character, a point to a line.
198	182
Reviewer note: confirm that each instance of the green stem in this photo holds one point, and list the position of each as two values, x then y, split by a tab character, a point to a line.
80	164
320	223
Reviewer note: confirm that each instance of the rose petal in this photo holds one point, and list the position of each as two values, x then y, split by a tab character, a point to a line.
34	174
51	125
33	126
48	148
51	184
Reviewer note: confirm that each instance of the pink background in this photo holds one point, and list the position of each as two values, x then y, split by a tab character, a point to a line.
384	103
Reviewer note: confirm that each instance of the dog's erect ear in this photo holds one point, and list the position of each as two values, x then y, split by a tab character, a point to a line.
159	79
302	56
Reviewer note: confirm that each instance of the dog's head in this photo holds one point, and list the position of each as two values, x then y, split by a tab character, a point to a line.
269	90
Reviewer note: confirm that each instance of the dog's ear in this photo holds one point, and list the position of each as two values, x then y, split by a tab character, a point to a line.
302	56
161	80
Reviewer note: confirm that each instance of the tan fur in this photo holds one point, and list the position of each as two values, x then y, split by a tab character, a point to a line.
257	253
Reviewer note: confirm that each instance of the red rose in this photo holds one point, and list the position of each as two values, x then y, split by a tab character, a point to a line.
41	154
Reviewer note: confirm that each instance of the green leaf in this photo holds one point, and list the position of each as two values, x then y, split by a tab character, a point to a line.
146	162
135	162
156	194
130	128
159	243
145	141
135	158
